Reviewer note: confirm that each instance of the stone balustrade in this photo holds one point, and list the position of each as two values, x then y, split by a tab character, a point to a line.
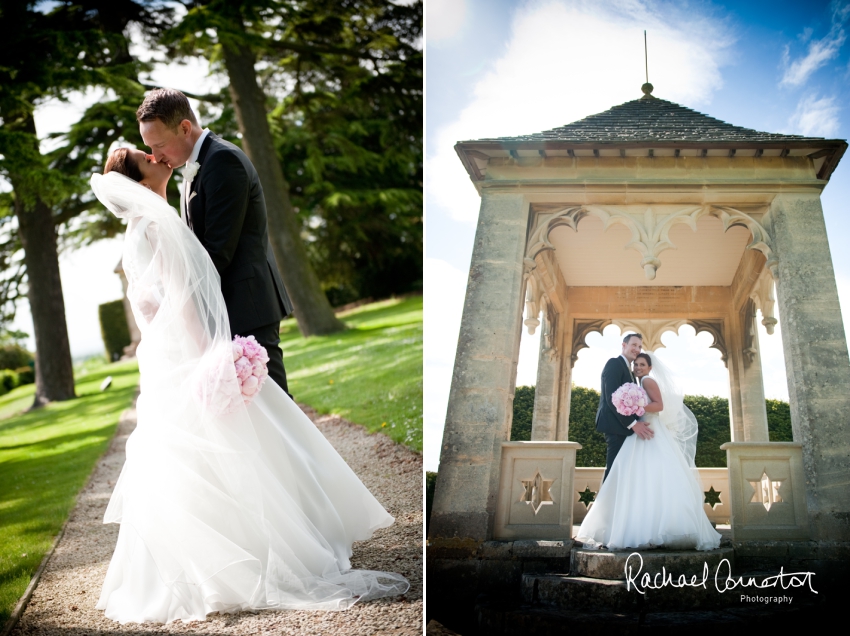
715	483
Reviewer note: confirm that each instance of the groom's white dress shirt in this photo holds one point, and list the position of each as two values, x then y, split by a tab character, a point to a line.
196	150
633	377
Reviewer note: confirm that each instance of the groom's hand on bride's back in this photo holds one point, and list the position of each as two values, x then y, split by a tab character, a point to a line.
642	430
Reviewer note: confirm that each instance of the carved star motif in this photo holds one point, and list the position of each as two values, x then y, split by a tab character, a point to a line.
712	497
536	492
766	490
587	496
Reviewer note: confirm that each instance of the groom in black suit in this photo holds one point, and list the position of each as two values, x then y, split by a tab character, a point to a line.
616	427
222	202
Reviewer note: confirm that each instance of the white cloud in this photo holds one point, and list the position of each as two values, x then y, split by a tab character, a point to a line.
815	117
565	61
819	52
444	19
445	289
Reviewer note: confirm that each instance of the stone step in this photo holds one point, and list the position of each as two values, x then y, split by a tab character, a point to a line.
602	564
571	592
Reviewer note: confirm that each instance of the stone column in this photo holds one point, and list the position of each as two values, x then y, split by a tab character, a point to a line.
734	362
480	407
566	378
544	422
754	409
746	404
816	358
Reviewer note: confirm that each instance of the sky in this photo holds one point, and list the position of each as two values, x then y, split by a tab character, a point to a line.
498	68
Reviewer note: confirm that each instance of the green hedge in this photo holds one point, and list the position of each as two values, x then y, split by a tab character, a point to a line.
8	380
523	412
113	328
14	356
712	413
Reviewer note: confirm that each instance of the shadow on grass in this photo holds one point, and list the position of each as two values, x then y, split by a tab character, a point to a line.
379	315
370	374
46	456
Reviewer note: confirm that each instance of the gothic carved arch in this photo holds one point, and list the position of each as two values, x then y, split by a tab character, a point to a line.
764	299
651	329
715	328
748	329
650	234
581	328
535	296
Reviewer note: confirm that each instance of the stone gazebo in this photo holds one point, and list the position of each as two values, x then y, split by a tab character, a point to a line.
648	216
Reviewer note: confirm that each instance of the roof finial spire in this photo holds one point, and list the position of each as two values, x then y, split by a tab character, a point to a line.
646	88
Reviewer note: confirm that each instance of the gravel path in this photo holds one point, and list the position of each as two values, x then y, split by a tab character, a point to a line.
63	603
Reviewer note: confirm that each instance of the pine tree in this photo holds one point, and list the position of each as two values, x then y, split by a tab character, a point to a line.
50	53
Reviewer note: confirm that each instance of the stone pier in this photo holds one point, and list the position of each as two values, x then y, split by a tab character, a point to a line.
481	400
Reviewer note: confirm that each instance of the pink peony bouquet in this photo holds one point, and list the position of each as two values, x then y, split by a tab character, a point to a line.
630	399
228	378
250	359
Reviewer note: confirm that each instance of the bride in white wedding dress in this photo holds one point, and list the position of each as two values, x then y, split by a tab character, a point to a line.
652	496
251	508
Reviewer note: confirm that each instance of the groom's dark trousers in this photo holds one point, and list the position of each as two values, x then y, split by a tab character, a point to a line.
615	426
227	212
269	337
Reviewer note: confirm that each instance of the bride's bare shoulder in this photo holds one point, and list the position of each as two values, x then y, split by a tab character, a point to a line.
649	383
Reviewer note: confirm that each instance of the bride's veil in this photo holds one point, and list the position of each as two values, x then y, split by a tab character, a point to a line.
675	416
175	293
197	492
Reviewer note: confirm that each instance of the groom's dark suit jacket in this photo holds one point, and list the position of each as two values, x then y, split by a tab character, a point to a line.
228	215
615	374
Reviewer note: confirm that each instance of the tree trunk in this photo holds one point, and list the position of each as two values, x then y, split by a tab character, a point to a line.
54	372
312	309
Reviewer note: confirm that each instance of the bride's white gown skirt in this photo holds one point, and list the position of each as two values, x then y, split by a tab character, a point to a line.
651	498
240	513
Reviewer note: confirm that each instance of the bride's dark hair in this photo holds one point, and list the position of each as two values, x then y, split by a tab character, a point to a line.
646	357
120	160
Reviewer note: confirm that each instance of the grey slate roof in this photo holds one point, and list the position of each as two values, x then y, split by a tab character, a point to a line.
651	120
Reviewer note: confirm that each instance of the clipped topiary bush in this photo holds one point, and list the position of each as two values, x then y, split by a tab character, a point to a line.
113	328
8	380
712	414
14	356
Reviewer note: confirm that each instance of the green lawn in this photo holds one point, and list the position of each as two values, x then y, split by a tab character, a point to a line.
370	374
46	456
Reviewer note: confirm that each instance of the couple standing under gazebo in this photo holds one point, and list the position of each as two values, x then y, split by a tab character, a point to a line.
650	496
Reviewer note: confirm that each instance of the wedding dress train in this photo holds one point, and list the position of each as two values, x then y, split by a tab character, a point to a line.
220	510
652	496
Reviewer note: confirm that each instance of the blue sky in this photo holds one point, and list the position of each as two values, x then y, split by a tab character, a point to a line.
501	68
